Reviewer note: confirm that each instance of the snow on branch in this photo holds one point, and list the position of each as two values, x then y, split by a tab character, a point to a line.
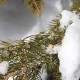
69	54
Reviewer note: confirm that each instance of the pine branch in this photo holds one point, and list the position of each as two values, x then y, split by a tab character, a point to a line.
37	7
75	5
2	2
31	54
34	5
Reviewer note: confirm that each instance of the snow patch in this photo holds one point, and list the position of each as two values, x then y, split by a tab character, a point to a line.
69	54
4	67
53	49
68	18
44	74
56	49
10	78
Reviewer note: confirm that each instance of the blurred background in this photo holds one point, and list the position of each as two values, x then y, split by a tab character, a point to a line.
17	21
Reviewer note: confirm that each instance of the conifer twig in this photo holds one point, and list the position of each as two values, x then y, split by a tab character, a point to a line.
37	8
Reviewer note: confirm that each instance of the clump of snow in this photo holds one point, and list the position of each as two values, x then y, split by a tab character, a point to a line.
49	49
44	74
68	18
69	54
56	49
4	67
10	78
52	49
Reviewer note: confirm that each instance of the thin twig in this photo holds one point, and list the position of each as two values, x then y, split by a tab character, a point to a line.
37	8
18	72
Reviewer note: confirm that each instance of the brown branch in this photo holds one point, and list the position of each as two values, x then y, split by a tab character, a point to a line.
2	2
18	72
37	8
10	75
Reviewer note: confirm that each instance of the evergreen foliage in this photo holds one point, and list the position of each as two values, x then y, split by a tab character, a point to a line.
34	5
27	58
75	5
32	56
